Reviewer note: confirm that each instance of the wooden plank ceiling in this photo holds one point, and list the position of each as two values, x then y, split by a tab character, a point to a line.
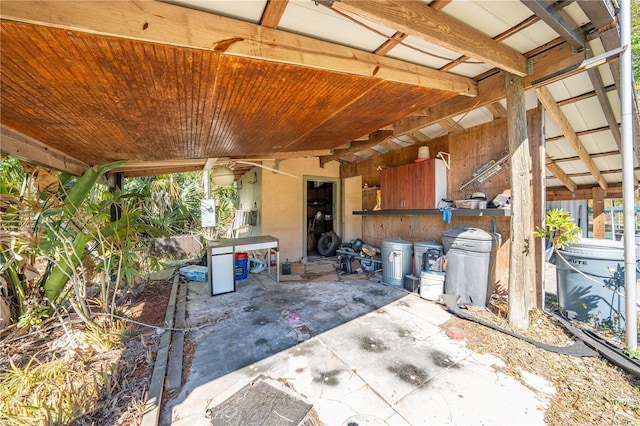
168	87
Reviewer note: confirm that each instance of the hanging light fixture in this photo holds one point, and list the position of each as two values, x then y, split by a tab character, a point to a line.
223	176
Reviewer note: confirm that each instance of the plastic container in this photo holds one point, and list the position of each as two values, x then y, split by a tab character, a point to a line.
427	255
431	285
471	258
242	266
397	257
590	280
194	272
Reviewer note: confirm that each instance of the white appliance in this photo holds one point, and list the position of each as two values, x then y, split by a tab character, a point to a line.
221	270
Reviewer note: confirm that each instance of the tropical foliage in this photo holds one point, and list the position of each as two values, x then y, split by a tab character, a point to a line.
59	245
560	229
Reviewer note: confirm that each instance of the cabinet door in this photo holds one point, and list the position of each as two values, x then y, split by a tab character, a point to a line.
422	185
411	186
395	184
389	198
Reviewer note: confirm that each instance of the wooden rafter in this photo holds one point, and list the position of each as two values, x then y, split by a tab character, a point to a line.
392	42
502	36
580	133
556	61
603	99
24	147
560	175
545	97
421	21
439	4
602	17
497	110
558	20
576	158
450	125
357	146
581	193
273	12
604	172
584	96
399	36
417	137
163	23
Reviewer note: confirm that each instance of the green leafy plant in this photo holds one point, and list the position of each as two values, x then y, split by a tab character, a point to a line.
560	229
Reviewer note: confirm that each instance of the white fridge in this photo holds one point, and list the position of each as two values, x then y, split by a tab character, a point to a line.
221	270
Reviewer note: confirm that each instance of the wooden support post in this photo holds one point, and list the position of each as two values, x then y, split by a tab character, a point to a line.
521	247
538	159
598	212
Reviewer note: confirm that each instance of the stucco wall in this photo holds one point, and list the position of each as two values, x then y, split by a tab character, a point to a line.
283	205
352	202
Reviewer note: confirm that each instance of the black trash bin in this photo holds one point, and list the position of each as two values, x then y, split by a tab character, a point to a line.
471	259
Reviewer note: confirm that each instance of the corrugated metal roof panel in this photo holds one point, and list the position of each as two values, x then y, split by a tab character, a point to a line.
310	19
248	10
599	142
433	131
420	52
585	115
575	85
614	102
531	37
471	69
474	118
574	11
560	149
551	129
489	17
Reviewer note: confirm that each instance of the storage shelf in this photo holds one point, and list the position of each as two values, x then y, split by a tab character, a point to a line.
434	212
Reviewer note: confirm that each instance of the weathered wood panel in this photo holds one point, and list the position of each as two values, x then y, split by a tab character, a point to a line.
98	99
468	150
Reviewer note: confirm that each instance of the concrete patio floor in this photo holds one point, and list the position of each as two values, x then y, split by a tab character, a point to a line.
360	352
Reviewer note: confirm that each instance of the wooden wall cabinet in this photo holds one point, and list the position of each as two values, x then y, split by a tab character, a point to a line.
418	185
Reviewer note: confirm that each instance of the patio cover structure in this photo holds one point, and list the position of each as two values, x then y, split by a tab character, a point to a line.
189	85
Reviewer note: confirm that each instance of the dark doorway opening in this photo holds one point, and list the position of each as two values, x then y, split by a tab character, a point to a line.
320	212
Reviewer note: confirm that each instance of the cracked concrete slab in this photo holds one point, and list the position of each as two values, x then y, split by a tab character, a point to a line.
361	352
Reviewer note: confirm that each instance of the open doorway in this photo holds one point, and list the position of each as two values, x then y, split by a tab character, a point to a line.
321	211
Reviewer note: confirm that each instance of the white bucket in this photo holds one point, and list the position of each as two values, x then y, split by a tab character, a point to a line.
431	285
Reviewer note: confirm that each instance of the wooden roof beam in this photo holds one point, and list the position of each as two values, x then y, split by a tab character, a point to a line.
506	34
273	12
549	65
26	148
168	24
558	20
560	175
580	133
497	110
602	16
603	99
545	97
356	146
421	21
581	193
399	36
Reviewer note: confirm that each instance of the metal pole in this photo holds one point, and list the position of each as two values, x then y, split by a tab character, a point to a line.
628	195
613	220
207	185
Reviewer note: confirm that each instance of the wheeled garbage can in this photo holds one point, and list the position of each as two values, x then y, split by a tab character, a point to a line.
471	264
